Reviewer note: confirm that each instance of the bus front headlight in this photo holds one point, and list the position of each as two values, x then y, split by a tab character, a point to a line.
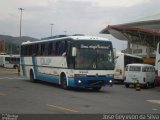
79	81
110	81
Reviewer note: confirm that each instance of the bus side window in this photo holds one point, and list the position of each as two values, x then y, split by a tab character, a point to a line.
42	49
35	50
51	48
57	48
39	50
60	47
30	51
27	50
46	45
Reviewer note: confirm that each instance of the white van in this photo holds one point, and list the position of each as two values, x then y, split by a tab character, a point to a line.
144	73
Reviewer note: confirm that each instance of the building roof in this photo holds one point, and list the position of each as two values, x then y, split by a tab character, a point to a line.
144	31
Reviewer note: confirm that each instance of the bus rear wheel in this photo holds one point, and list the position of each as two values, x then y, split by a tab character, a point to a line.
63	82
32	79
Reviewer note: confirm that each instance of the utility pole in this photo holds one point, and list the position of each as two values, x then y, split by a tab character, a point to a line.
20	31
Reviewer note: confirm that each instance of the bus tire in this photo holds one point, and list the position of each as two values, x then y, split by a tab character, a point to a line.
63	81
32	79
96	88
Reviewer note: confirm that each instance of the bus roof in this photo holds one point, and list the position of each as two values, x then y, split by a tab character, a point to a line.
68	37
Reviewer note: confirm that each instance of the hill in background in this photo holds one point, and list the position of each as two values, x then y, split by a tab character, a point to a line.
16	40
11	45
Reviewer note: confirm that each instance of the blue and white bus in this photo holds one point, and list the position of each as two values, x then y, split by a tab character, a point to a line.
70	61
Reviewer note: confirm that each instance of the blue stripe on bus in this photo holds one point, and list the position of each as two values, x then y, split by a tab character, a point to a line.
35	68
48	78
23	66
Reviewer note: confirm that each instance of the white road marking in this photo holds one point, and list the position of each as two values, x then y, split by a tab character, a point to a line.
154	109
154	101
2	94
11	78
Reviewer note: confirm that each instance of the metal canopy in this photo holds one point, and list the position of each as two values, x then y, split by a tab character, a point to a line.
142	32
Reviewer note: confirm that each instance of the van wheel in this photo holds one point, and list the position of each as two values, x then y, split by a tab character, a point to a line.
63	82
127	85
153	85
32	79
146	86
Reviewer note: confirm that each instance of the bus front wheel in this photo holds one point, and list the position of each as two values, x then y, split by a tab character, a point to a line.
63	82
96	88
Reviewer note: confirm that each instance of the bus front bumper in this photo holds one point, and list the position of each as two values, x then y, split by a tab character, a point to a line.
85	82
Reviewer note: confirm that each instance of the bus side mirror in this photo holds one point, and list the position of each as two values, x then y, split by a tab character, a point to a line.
74	51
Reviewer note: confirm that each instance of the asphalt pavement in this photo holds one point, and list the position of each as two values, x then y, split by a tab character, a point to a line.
19	95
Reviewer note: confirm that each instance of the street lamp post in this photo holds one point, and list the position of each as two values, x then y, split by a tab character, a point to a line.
51	28
21	9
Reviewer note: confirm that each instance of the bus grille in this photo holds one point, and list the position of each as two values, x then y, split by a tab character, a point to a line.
95	83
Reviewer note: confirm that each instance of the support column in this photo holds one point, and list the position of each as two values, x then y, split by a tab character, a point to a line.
148	52
129	47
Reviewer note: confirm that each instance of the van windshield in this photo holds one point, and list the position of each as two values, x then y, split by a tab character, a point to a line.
135	68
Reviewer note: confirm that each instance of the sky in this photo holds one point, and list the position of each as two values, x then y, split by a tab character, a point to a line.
87	17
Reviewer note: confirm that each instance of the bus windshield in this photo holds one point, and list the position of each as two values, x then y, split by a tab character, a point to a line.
96	55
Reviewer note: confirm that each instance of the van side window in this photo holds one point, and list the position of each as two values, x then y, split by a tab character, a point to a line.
144	69
135	68
148	69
